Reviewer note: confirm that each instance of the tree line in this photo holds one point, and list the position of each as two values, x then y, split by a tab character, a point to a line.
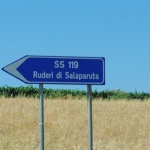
33	92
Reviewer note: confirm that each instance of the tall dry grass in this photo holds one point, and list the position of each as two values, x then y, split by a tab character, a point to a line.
117	125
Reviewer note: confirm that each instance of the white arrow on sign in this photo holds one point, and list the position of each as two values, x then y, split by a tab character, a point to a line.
12	68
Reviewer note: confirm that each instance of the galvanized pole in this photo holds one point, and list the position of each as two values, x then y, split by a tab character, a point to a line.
41	117
90	128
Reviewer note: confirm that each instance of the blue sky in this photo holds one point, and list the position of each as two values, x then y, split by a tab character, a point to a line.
117	30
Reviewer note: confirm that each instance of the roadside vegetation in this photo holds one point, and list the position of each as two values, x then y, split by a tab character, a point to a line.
117	125
120	119
33	92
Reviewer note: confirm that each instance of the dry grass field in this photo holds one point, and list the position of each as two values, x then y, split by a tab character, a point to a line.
117	125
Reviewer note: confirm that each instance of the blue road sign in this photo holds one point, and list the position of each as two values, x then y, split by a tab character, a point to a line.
58	70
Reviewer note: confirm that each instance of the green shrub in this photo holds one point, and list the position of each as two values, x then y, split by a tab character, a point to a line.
33	92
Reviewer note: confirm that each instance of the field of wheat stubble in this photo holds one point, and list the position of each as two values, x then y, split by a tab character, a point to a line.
117	125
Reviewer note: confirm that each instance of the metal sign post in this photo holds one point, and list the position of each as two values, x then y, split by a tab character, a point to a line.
90	127
41	117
